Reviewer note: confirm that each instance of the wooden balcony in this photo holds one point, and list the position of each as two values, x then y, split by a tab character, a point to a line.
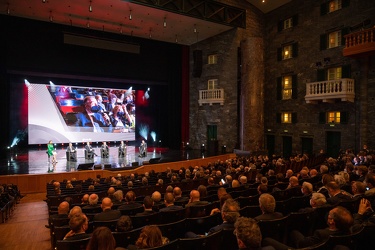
210	96
330	91
360	43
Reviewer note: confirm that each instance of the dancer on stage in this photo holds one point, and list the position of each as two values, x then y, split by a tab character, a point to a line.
51	152
143	149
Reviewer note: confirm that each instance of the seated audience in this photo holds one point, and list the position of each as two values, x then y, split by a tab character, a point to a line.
150	237
370	181
102	239
108	213
307	188
358	189
267	204
130	202
78	225
169	203
335	193
195	199
147	205
316	200
124	224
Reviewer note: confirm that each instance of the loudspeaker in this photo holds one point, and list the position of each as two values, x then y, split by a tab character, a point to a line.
98	166
107	166
135	164
154	160
85	166
197	63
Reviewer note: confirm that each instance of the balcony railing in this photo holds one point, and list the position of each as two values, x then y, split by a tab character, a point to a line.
329	91
211	96
361	42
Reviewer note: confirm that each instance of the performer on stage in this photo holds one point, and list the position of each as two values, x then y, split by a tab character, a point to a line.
122	149
72	152
143	149
90	151
51	152
104	150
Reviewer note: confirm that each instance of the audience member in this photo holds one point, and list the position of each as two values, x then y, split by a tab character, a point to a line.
169	203
78	225
147	205
150	237
108	213
101	239
124	224
267	204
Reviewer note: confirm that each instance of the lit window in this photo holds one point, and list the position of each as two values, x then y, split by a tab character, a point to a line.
287	52
212	84
334	39
287	87
333	117
288	23
334	73
334	5
212	59
286	117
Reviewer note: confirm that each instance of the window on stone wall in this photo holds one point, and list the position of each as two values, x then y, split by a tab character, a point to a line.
212	59
334	73
287	23
333	117
333	5
287	87
287	51
286	117
334	39
212	84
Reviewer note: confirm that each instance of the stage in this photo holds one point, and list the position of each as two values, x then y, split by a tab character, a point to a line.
35	160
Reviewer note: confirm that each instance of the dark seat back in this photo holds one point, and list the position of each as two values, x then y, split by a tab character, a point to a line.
140	221
275	229
111	224
72	244
201	225
173	230
172	216
210	242
123	239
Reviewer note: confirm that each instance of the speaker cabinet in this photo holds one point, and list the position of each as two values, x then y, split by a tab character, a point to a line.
106	166
85	166
197	63
98	166
135	164
154	160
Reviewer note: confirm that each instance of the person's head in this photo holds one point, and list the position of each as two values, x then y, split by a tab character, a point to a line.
150	237
85	198
230	211
362	170
370	180
118	195
326	178
101	239
317	200
124	224
221	191
50	142
106	204
224	198
78	223
267	203
74	211
289	173
89	102
176	191
168	199
340	218
293	181
358	187
148	202
63	208
313	172
144	181
70	144
235	184
243	179
262	188
130	196
194	195
202	191
156	196
307	188
93	199
333	188
99	98
248	233
111	191
323	169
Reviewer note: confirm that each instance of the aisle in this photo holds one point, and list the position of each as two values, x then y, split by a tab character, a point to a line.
25	229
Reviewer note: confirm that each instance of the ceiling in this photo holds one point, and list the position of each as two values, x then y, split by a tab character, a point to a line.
114	16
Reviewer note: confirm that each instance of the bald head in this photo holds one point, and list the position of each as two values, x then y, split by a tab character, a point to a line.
194	195
93	199
106	204
85	199
156	196
111	191
177	192
63	208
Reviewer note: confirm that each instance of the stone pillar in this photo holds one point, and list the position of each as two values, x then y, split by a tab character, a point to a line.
251	100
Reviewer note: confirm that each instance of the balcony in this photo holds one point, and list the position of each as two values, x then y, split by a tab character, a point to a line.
329	91
211	96
360	43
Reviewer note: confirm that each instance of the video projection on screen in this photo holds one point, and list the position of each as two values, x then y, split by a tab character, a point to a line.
76	114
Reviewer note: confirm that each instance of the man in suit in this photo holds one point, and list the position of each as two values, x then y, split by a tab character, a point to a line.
93	206
143	149
62	213
195	199
339	222
248	234
177	193
78	225
267	204
130	202
108	213
104	149
169	203
72	152
335	193
122	149
147	205
90	151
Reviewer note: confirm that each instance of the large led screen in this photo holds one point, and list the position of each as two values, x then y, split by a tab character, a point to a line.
79	114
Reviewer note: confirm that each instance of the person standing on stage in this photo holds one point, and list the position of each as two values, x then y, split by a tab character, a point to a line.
51	152
122	149
143	149
105	150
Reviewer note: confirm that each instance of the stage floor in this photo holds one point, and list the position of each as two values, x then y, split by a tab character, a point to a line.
35	160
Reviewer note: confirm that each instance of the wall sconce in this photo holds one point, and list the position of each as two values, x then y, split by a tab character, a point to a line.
90	6
165	22
130	15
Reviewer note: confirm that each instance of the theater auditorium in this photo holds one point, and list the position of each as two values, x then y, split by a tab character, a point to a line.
219	124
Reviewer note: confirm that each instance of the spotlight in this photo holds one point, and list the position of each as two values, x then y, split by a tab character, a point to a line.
27	83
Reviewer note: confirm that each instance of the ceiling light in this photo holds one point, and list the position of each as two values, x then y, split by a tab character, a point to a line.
263	1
